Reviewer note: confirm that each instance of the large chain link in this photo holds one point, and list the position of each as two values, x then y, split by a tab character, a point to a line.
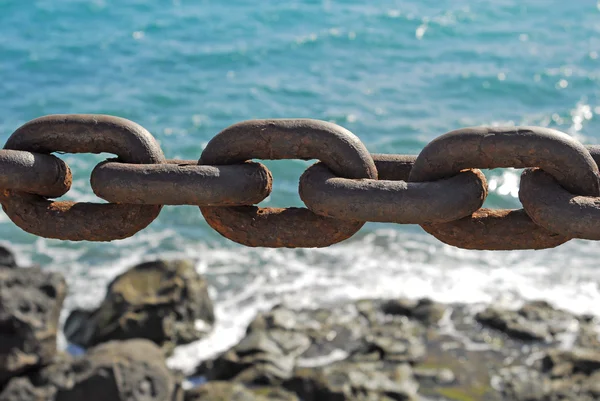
440	189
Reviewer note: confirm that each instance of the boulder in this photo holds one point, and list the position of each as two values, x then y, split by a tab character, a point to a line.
560	375
162	301
258	359
353	382
21	389
372	350
423	310
282	339
7	258
535	321
576	361
227	391
30	303
133	370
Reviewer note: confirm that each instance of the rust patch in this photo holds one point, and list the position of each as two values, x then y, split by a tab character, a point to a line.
76	221
35	173
278	228
556	209
497	230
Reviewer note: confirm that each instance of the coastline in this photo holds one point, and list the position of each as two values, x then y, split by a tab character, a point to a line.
371	349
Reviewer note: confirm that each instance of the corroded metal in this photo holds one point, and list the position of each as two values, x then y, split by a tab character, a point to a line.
81	134
555	152
88	133
303	139
393	167
594	152
182	182
306	139
277	228
34	173
519	147
392	201
496	230
73	221
438	189
551	206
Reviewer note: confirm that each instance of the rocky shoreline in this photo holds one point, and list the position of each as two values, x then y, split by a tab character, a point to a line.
367	350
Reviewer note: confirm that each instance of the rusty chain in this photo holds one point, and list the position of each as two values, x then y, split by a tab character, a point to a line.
441	189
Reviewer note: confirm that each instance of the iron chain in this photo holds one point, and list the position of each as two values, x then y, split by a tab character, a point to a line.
440	189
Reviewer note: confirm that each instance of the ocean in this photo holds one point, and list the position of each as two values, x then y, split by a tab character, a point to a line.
395	73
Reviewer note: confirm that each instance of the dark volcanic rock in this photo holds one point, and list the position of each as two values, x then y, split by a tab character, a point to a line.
132	370
424	310
21	389
258	359
7	258
226	391
353	382
379	350
576	361
282	339
160	301
534	321
564	375
30	303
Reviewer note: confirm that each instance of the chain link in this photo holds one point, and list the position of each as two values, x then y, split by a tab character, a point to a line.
36	214
440	189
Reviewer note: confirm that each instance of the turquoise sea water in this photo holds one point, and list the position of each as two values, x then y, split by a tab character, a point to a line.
396	73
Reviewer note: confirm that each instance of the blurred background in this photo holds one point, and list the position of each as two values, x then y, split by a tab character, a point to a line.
396	73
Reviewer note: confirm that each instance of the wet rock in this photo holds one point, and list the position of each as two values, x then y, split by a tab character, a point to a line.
120	370
391	345
282	339
353	382
227	391
423	310
160	301
133	370
535	321
21	389
589	335
579	360
258	359
30	303
7	258
355	351
331	333
522	384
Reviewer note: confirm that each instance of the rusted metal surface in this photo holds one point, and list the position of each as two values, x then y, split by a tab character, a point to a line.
81	134
46	175
301	139
305	139
520	147
182	182
556	209
278	228
594	152
497	230
393	167
76	221
392	201
438	189
88	133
